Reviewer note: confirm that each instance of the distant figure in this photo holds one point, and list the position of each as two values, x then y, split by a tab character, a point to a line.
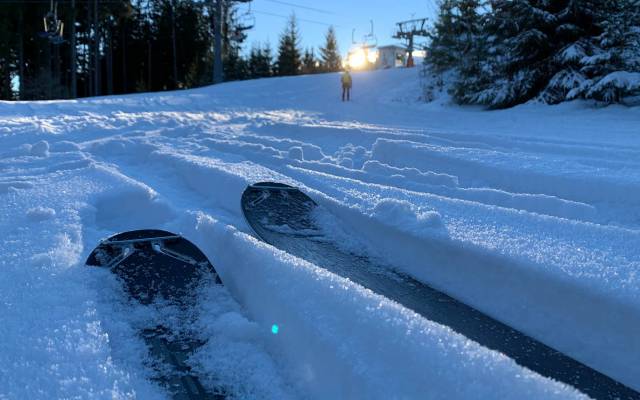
346	85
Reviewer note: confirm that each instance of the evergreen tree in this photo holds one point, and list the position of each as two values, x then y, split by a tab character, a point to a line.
234	34
458	46
137	46
525	49
7	56
612	69
470	49
444	41
289	62
329	53
309	62
519	38
235	66
260	62
576	24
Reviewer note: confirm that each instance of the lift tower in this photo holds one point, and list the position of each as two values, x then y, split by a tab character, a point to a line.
221	10
407	30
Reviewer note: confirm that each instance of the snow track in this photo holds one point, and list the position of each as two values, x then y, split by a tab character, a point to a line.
535	226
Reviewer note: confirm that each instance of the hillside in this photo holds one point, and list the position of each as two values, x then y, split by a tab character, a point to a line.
530	215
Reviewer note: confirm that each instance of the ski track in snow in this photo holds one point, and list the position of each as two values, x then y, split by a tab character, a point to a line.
530	215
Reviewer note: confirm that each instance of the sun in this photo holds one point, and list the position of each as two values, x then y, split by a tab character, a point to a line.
357	59
361	58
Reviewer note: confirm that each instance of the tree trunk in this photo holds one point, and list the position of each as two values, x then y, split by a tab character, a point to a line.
96	45
110	62
173	44
88	56
73	61
124	57
218	74
21	71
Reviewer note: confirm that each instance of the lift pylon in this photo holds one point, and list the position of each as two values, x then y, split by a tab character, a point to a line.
408	30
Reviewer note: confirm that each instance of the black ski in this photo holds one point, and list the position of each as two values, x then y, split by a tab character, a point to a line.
282	216
156	264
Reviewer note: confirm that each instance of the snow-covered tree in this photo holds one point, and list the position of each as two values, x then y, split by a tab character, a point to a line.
444	39
526	49
612	70
575	26
471	49
520	43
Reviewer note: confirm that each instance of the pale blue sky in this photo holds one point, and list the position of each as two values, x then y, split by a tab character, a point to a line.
346	15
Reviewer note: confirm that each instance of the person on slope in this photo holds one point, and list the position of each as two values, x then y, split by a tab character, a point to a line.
346	85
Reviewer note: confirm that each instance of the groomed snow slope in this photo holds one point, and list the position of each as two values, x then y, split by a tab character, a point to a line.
530	215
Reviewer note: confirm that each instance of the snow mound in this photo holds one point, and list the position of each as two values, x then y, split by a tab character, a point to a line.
40	213
407	217
40	149
64	146
133	205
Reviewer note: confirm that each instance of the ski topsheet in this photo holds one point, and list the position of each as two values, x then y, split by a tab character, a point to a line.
286	218
159	267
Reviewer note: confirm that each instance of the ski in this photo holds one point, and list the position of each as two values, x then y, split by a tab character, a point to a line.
154	264
283	216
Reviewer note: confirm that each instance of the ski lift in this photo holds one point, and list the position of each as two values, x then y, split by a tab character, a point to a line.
53	27
243	22
127	10
362	54
369	41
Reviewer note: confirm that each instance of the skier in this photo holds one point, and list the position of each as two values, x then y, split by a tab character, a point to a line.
346	85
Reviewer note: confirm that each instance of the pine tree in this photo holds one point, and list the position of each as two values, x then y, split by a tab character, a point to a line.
444	38
329	53
7	56
612	71
309	62
470	49
520	40
289	62
260	61
458	46
235	66
576	25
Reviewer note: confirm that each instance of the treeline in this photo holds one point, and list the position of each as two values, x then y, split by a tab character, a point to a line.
122	46
109	46
501	53
289	58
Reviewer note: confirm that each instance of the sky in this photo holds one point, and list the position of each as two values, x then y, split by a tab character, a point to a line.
314	17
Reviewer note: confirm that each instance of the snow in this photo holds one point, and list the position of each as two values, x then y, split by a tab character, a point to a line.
40	213
40	149
402	214
529	214
329	327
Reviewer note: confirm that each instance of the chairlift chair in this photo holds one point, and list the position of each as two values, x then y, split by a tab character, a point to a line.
370	40
245	21
53	27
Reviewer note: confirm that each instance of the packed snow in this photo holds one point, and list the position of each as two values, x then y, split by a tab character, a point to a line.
530	215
